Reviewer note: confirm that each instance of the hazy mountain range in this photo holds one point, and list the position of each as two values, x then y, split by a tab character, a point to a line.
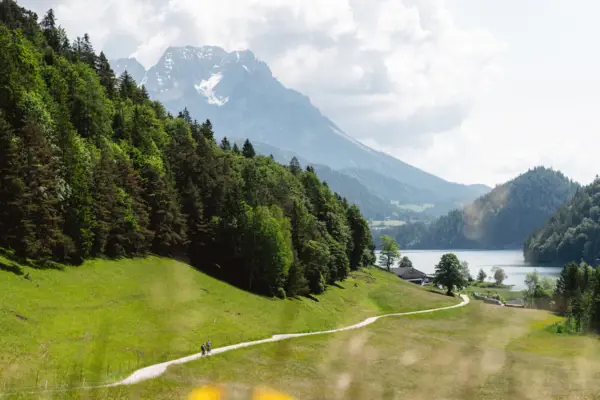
242	98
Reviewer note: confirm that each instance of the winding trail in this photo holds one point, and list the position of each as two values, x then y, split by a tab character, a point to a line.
156	370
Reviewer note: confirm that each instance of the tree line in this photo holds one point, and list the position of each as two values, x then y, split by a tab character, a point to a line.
576	295
91	167
573	232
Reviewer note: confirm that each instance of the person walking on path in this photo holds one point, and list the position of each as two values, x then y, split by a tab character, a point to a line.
203	349
208	346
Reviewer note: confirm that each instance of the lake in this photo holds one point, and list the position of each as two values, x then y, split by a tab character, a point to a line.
510	260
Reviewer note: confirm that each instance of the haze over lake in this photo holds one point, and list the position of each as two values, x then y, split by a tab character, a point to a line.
510	260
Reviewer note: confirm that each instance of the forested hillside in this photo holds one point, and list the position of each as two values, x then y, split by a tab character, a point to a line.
573	233
499	220
91	167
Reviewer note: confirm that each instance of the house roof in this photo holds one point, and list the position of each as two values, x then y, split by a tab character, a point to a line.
409	273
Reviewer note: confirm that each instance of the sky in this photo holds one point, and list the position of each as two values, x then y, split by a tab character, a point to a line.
474	91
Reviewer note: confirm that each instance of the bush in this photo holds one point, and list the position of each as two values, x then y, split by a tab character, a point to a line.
561	328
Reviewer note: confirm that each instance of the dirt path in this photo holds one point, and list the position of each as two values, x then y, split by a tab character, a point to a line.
156	370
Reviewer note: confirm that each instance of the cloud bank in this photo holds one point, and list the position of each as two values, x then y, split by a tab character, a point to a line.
392	73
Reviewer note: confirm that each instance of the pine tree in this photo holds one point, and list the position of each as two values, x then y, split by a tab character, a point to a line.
566	286
248	149
235	149
104	207
225	145
127	87
48	25
39	230
166	218
295	167
185	115
77	47
88	55
12	186
144	94
207	131
106	75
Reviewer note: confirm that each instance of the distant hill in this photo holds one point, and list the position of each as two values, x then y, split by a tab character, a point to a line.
242	98
501	219
572	233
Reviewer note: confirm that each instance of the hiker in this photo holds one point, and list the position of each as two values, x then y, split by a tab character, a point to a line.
203	349
208	346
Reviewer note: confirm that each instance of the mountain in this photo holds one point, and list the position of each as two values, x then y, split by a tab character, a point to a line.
242	98
572	233
132	66
501	219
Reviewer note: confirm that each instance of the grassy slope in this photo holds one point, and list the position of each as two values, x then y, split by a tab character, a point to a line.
477	352
104	319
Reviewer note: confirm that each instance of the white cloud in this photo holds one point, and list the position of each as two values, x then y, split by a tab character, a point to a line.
394	60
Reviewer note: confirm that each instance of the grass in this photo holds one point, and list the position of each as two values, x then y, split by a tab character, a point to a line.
100	321
476	352
506	293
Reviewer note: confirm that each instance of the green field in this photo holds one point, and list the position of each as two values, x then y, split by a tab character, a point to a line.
476	352
101	321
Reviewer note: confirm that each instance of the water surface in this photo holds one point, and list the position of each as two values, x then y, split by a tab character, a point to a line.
511	261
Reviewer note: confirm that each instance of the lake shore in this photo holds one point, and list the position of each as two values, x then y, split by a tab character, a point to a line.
511	261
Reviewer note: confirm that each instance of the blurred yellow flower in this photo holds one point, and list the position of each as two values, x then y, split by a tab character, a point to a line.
207	393
263	393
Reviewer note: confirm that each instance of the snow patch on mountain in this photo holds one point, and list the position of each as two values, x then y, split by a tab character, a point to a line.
207	89
351	139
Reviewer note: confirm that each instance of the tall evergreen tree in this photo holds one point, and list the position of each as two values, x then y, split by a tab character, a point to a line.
50	30
225	145
248	149
207	131
295	167
39	230
12	186
106	75
127	87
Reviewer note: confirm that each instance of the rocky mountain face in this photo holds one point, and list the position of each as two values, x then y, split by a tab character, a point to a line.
242	98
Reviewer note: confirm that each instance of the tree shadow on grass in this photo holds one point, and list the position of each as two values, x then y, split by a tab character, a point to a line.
337	285
311	297
38	264
14	268
441	293
9	255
